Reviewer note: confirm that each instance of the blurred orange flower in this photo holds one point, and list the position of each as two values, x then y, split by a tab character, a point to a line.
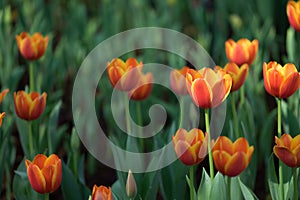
44	173
124	75
280	81
29	106
3	94
293	13
101	193
190	147
241	52
32	47
208	88
177	81
143	87
287	149
238	74
231	158
2	115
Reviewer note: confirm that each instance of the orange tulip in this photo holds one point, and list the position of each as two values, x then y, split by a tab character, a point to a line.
2	115
208	88
101	193
190	147
177	81
124	75
29	106
143	89
238	74
3	94
32	47
280	81
44	173
241	52
287	149
231	158
293	13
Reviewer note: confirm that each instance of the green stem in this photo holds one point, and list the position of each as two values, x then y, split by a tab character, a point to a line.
235	119
30	139
181	101
279	135
31	77
140	124
211	164
127	114
8	182
242	94
295	175
228	188
192	181
46	196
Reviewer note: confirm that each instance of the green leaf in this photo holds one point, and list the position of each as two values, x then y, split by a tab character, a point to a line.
235	189
204	187
191	186
53	137
247	193
290	44
272	179
218	188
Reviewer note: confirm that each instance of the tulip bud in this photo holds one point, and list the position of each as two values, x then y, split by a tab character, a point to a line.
131	189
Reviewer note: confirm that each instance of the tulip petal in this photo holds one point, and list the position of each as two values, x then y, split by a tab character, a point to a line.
289	85
36	178
201	93
295	142
284	141
275	80
39	160
241	144
285	155
224	144
184	153
236	164
220	159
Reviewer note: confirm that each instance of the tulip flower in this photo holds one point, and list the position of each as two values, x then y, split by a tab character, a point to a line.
238	74
293	13
124	75
143	88
44	173
190	147
241	52
208	88
287	149
280	81
29	106
101	193
32	47
3	94
131	189
177	81
2	115
231	158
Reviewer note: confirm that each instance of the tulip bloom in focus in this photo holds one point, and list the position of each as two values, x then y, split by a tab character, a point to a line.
293	13
190	147
238	74
208	88
117	72
287	149
231	158
3	94
280	81
143	88
101	193
177	81
44	174
32	47
241	52
29	106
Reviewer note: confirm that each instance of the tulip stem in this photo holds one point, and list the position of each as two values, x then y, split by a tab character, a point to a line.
211	164
31	77
242	93
228	188
46	196
140	124
181	104
234	114
30	139
279	135
192	174
295	175
127	114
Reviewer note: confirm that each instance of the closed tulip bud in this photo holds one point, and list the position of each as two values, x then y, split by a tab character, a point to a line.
2	115
241	52
287	149
29	106
32	47
131	189
190	147
143	87
177	81
231	159
44	173
293	13
124	75
101	193
280	81
3	94
208	88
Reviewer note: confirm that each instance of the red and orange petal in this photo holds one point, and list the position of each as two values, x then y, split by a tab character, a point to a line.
177	81
101	193
36	179
3	94
238	74
143	89
2	115
293	13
